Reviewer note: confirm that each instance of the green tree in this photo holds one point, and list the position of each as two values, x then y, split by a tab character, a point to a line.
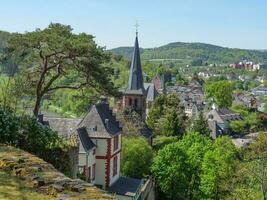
167	116
195	146
218	167
255	160
177	166
136	157
56	58
200	125
171	171
220	92
238	126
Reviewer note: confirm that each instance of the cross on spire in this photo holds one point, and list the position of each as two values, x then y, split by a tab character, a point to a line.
136	28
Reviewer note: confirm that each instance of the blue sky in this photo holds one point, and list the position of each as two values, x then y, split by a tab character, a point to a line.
230	23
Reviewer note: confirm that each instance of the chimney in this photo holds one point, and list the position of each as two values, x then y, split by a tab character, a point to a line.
103	99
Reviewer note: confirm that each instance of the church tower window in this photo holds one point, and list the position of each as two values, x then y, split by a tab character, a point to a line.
135	103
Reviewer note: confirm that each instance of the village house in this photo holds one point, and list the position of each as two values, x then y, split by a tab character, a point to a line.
219	120
246	100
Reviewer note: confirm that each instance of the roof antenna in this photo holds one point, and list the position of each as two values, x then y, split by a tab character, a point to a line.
136	28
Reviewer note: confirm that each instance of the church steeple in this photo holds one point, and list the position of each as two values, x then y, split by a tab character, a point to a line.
136	83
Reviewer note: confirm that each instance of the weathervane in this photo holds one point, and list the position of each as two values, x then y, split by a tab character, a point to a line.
136	28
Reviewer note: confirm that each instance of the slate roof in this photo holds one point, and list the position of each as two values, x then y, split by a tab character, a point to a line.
228	115
146	132
64	126
224	115
85	140
126	186
100	121
135	82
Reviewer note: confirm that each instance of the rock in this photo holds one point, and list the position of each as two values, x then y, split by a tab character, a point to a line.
35	168
77	188
33	177
64	197
58	188
38	182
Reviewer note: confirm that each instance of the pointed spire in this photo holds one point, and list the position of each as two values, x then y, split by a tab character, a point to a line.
135	83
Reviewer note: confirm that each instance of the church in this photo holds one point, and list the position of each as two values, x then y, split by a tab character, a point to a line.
138	95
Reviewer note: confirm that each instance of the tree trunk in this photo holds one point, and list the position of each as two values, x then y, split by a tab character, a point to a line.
37	106
263	193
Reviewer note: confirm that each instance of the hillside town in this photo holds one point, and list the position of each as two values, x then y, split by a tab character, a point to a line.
86	115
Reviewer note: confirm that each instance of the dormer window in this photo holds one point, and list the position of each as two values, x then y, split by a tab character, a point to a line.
95	128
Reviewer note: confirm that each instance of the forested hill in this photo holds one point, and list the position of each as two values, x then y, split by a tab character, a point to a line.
3	39
206	52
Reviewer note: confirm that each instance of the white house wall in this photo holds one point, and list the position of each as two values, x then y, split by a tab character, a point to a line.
100	171
101	146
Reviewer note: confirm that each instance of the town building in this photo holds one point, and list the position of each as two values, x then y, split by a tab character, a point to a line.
98	137
260	90
219	121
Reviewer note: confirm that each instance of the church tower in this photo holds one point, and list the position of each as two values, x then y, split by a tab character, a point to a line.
135	93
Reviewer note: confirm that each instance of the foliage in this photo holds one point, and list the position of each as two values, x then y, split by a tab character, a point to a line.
26	133
255	162
177	166
200	125
131	121
76	102
218	167
171	171
238	126
220	92
253	120
56	58
167	117
136	157
161	141
196	168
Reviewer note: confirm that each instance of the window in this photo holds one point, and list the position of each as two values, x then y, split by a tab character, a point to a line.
115	163
116	143
130	102
93	175
94	152
89	174
135	102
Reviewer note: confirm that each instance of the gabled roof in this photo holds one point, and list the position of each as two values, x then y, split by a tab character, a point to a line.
85	140
126	186
135	82
151	91
225	114
100	121
64	126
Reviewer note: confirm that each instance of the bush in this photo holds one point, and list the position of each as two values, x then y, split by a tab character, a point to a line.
26	133
136	157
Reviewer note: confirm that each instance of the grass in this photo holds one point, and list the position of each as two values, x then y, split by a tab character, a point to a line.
12	188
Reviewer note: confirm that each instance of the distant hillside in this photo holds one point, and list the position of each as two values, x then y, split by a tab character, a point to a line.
206	52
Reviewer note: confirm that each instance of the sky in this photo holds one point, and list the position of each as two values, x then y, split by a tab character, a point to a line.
228	23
